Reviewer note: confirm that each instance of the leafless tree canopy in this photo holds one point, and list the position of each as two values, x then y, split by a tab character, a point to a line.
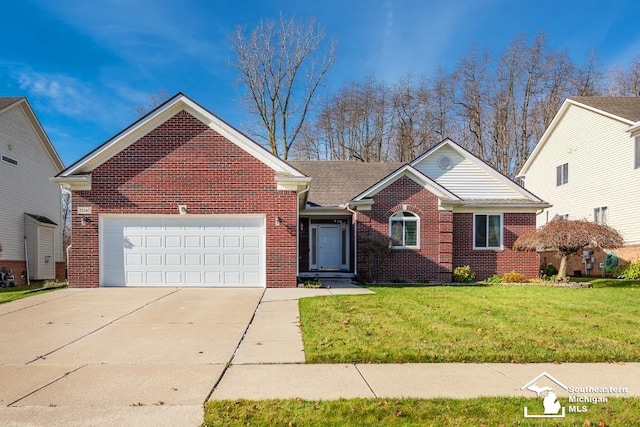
281	65
150	103
497	106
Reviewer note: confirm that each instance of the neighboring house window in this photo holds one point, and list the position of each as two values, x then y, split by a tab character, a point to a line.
600	215
403	230
637	163
10	160
562	174
487	231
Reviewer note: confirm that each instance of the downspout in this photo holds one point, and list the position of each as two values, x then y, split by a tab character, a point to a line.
298	230
355	238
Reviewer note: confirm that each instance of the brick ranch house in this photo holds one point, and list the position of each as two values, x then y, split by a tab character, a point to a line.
180	198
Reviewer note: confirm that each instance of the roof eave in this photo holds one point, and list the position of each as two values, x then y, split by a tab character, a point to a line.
74	182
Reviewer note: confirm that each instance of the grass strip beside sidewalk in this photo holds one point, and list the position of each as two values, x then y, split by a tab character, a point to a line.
489	411
503	324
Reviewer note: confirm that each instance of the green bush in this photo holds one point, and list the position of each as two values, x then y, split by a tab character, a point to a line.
632	271
513	277
549	270
495	279
618	270
463	274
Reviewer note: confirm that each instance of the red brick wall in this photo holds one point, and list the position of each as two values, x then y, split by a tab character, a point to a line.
183	161
432	261
485	263
18	269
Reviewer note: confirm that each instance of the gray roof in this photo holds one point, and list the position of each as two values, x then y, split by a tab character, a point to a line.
5	101
627	107
42	219
335	182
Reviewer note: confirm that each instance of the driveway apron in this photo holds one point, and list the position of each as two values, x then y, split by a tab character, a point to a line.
118	356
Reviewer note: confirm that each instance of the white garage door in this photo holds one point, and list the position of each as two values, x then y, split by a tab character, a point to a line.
183	251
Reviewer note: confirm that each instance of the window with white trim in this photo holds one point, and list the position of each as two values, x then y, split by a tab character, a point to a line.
403	230
487	231
562	174
600	215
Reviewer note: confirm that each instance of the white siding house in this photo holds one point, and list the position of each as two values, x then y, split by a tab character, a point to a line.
586	164
27	161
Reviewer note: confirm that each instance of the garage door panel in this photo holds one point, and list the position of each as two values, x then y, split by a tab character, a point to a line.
184	251
211	241
192	242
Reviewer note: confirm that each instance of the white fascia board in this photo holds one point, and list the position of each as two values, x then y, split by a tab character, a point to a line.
543	140
497	208
432	150
413	174
240	139
292	183
179	102
75	182
634	129
322	211
39	130
361	205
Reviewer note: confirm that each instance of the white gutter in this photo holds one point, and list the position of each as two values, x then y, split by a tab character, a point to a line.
298	230
355	238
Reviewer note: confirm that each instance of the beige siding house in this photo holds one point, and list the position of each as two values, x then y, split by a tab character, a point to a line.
30	213
587	166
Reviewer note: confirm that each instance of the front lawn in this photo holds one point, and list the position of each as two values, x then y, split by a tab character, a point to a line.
517	324
19	292
489	411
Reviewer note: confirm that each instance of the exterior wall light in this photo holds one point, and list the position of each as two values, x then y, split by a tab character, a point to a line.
278	221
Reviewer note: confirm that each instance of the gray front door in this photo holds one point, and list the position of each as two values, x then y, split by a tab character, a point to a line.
329	248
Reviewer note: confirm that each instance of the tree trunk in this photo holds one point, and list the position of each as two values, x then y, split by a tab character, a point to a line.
562	271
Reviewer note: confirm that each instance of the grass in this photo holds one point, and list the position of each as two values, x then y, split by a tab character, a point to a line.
608	283
510	324
19	292
488	411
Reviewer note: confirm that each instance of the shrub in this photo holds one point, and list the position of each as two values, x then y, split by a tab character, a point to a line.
463	274
513	277
632	271
618	270
374	250
495	279
548	270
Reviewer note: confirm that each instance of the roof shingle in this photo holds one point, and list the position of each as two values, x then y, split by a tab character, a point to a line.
335	182
5	101
627	107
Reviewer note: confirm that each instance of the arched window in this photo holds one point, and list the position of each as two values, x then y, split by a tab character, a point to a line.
404	229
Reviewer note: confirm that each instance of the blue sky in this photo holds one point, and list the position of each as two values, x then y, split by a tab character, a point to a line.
85	65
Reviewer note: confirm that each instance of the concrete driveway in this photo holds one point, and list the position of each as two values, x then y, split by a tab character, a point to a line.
117	356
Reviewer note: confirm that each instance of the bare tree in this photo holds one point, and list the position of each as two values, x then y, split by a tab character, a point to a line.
152	102
280	66
625	82
569	238
471	80
355	124
588	78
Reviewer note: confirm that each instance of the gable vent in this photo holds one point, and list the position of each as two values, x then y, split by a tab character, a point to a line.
444	162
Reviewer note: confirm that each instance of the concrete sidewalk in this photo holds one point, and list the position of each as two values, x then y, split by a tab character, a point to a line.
423	380
270	363
274	335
